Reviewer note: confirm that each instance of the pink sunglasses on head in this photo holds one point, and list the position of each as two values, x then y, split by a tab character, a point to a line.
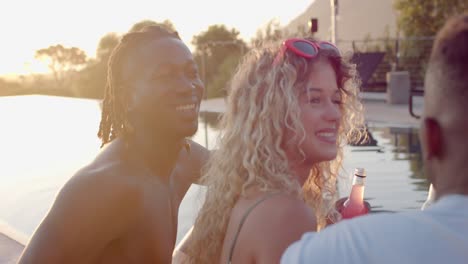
304	48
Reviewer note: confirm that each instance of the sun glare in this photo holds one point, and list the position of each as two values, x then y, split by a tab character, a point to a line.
36	66
52	22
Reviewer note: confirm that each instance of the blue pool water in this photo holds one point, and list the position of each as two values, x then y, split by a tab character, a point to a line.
45	139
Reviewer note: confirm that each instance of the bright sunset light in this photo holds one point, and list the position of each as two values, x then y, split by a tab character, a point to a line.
28	25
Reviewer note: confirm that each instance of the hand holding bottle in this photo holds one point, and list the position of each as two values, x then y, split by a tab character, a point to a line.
339	204
355	205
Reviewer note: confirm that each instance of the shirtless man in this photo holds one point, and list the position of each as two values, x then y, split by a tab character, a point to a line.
123	207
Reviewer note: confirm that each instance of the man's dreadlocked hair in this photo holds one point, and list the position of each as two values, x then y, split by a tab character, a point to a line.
114	120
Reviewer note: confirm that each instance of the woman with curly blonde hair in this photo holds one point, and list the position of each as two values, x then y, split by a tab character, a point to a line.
290	112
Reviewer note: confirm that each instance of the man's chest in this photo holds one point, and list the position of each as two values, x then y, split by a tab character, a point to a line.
159	208
153	235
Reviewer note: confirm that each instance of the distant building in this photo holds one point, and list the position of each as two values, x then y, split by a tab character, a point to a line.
357	20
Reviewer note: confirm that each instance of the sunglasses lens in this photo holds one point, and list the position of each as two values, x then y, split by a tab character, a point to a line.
305	47
330	47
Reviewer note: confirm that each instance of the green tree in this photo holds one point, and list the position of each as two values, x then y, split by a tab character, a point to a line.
63	62
217	52
107	43
419	21
426	17
93	77
140	25
302	31
272	31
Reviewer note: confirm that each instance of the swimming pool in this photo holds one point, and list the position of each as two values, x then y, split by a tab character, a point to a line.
45	139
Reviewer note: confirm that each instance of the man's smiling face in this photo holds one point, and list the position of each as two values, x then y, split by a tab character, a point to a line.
165	87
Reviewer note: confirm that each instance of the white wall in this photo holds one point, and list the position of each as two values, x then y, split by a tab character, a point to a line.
357	19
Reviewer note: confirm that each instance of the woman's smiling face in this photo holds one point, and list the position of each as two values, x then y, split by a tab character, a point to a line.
320	107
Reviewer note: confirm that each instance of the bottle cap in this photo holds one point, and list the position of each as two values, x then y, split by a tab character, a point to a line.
360	172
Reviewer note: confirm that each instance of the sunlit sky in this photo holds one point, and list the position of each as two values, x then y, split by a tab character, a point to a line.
28	25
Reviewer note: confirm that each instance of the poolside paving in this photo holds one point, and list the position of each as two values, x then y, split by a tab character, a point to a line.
377	110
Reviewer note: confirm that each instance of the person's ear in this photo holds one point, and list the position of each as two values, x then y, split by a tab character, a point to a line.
432	139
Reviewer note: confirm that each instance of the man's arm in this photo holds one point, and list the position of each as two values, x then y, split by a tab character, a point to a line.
87	214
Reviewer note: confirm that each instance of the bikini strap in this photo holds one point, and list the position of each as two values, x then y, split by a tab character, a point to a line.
244	217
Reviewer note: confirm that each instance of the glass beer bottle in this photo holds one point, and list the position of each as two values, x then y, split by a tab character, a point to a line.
354	205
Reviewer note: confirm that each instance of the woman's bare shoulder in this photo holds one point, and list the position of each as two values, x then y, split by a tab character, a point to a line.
275	224
282	208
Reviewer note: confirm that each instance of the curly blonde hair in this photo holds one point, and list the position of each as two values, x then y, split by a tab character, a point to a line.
262	104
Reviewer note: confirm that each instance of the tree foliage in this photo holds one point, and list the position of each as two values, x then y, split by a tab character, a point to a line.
217	52
63	62
419	21
8	87
140	25
107	43
93	77
426	17
272	31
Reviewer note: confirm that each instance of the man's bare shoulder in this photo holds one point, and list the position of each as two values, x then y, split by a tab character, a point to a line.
97	205
109	177
105	182
103	187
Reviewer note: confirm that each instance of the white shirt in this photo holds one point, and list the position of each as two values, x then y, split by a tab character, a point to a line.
437	235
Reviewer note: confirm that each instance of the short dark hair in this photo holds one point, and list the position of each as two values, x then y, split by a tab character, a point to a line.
114	119
449	57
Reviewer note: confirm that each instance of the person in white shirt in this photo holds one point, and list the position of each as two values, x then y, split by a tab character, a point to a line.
438	234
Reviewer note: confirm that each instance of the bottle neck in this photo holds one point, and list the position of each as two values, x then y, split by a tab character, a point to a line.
358	180
357	191
357	194
354	205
